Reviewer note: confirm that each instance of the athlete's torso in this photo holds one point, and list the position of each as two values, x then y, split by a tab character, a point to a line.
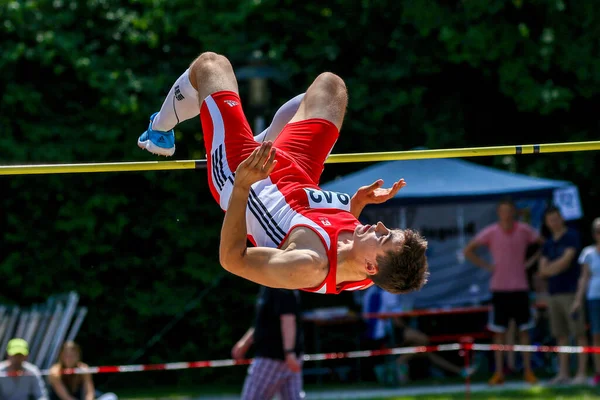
289	202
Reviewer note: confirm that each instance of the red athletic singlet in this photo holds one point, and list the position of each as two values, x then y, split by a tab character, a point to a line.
290	197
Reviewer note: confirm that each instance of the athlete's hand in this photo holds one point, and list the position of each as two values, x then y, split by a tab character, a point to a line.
256	167
373	194
292	362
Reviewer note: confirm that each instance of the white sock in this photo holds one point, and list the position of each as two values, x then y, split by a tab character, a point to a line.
180	105
280	119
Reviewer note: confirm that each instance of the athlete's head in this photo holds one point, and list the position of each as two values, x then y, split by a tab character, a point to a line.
394	259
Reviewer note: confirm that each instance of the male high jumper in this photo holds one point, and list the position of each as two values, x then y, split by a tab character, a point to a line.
306	238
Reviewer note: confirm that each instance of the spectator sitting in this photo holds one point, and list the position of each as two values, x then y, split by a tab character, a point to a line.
25	379
376	300
589	286
559	265
72	386
379	333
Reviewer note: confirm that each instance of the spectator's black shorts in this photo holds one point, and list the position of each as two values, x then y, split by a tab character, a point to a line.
507	306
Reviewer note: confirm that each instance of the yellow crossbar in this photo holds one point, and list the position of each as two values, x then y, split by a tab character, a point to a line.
334	158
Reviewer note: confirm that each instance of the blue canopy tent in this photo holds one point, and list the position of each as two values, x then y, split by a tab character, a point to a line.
443	180
449	201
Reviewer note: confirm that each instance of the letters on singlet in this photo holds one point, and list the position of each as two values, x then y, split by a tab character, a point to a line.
327	199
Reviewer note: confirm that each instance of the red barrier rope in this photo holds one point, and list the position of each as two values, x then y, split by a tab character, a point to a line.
432	311
535	349
465	347
231	362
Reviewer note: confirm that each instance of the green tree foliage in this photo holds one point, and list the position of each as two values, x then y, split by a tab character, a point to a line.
80	78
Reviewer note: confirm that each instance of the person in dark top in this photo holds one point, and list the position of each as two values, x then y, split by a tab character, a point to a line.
559	265
278	341
71	386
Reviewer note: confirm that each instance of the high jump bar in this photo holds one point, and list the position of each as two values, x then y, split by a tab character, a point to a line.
333	159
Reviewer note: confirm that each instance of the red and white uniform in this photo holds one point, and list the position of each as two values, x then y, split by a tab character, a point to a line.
290	197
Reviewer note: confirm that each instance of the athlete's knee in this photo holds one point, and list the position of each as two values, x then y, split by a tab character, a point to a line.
332	84
326	98
210	60
208	64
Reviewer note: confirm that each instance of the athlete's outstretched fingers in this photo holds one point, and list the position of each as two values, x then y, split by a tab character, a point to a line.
261	157
396	187
377	184
251	159
254	158
270	164
263	154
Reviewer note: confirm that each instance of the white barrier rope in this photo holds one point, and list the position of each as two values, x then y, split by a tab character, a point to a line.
329	356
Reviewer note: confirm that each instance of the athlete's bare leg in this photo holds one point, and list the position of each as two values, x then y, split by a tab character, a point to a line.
181	104
326	98
211	73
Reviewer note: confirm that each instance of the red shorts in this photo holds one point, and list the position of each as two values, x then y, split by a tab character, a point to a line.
302	147
290	195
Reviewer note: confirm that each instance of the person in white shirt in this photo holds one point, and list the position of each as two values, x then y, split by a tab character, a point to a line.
589	288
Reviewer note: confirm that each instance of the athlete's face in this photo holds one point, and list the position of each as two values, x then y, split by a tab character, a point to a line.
371	241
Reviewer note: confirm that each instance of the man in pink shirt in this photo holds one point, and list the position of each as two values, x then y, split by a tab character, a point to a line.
507	241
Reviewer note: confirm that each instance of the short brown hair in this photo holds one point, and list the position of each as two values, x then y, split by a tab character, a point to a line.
403	270
506	201
551	209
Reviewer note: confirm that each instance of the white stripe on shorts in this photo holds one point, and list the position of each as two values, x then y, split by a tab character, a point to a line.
269	218
218	147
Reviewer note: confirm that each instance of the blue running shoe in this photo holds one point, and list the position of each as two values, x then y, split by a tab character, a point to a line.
157	142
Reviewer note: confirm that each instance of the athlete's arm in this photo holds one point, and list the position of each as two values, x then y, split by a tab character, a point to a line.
288	269
373	194
285	269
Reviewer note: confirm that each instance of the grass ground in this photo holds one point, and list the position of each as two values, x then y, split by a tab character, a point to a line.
346	392
537	393
444	388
